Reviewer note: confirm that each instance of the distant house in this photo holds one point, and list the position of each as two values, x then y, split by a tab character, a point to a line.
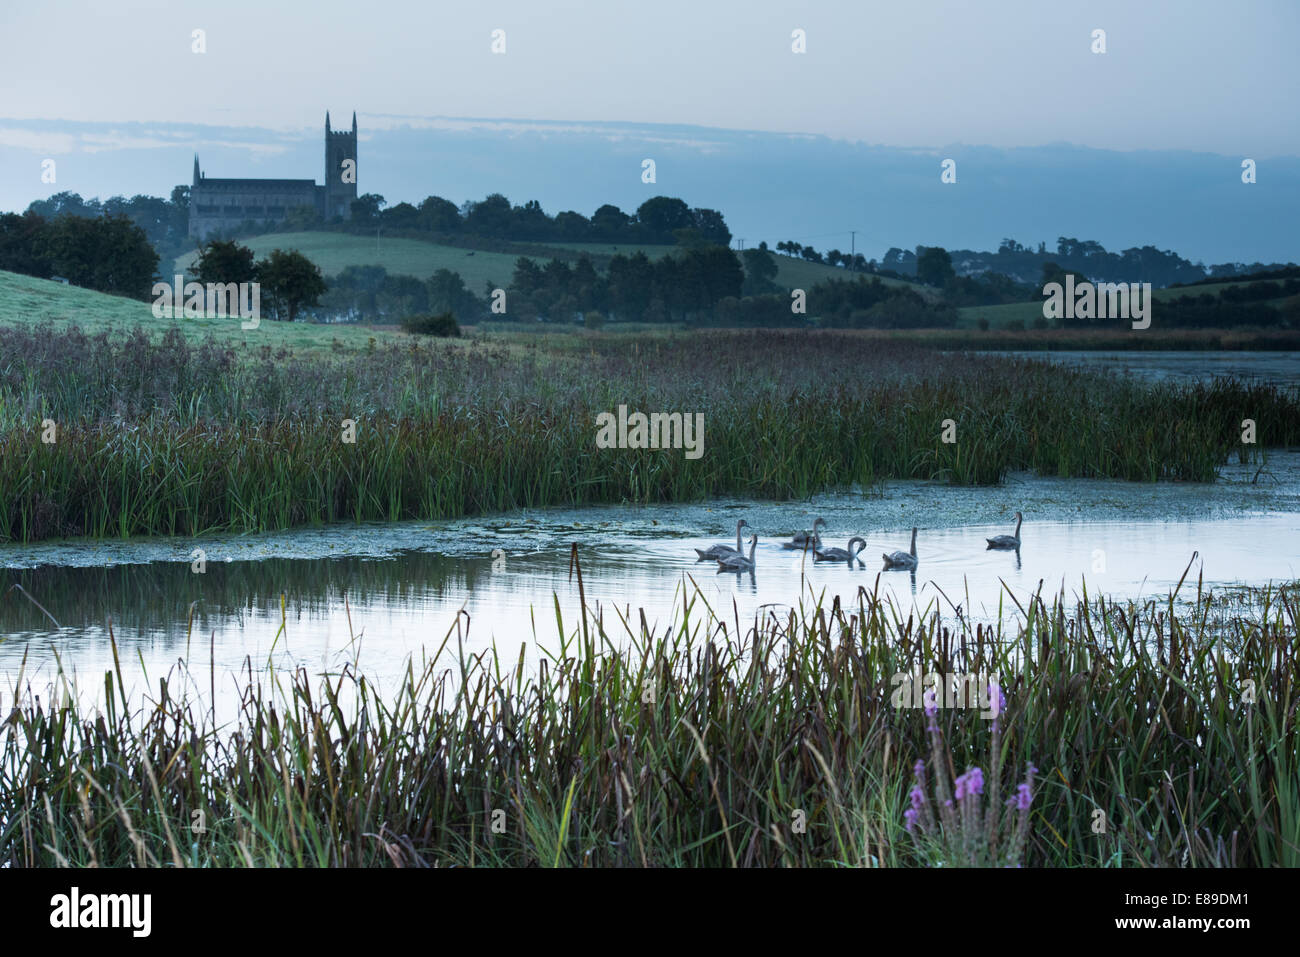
218	205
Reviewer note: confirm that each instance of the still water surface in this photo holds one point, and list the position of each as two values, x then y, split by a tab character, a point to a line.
380	611
1279	368
379	596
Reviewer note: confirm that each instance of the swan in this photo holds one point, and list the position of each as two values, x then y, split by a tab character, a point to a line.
1007	541
738	562
902	559
721	551
839	554
804	540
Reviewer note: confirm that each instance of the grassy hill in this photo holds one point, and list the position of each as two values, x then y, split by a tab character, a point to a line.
791	273
1027	312
25	300
334	252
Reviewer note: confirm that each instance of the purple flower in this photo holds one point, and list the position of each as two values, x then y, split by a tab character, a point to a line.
961	786
1023	796
931	705
975	781
918	769
910	817
918	798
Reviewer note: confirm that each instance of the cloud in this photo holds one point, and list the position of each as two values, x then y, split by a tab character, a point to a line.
33	141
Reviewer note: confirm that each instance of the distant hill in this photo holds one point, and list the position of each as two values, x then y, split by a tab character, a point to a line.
1000	316
333	252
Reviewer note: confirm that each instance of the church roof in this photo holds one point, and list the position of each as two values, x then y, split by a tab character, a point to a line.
262	183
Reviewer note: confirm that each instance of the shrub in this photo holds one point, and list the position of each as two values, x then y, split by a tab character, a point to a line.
444	324
593	321
983	324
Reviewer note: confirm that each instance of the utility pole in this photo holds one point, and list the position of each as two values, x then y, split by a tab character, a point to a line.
853	247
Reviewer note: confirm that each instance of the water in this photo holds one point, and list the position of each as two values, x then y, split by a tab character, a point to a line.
1279	368
493	582
378	596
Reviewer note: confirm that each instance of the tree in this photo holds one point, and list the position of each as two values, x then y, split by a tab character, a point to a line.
365	209
610	223
401	216
64	204
711	226
662	214
934	265
631	284
572	226
23	246
491	217
447	293
225	261
107	253
527	276
760	270
439	215
290	281
707	274
530	222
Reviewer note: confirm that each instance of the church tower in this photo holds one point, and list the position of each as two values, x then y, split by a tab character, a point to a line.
340	175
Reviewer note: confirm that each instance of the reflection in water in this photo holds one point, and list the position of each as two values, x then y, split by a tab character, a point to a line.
379	611
1277	368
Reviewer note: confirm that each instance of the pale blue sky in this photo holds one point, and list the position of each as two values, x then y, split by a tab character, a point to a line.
1210	76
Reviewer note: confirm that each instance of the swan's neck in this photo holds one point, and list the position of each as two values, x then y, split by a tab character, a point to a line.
739	545
913	543
1018	521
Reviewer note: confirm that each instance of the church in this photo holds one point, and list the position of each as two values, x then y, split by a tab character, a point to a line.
222	205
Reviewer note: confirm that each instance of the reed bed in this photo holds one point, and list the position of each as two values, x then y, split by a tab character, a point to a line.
773	742
172	438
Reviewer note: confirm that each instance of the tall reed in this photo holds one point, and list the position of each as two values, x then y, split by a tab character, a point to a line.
172	438
707	743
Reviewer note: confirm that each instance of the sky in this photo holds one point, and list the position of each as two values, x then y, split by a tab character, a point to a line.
1196	75
84	82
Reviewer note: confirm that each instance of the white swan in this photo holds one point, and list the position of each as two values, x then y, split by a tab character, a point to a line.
1007	541
721	551
804	540
739	563
902	559
839	554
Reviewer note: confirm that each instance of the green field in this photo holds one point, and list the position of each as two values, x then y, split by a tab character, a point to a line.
334	252
25	300
791	273
1027	312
